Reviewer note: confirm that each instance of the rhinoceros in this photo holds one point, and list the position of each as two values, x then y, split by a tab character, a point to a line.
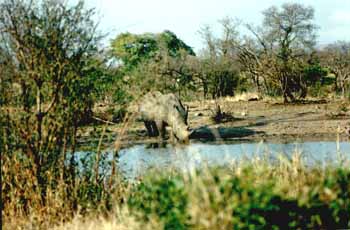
159	110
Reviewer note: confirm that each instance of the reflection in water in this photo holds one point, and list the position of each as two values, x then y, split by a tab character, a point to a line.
136	160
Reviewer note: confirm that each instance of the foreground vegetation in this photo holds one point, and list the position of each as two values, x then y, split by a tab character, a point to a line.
259	194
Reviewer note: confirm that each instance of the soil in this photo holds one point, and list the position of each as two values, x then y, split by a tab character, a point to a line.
246	120
271	120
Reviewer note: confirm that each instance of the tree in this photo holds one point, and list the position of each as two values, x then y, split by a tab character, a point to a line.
219	73
173	44
154	61
314	71
133	49
47	55
336	57
286	37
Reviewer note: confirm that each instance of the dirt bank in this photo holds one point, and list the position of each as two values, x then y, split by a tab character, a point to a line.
272	120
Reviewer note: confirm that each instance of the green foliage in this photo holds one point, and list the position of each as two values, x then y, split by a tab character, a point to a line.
134	49
325	203
222	77
219	72
108	84
173	44
317	211
163	197
92	192
153	62
259	207
315	77
50	68
315	73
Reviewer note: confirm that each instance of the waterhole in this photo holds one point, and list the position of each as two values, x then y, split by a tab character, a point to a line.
135	161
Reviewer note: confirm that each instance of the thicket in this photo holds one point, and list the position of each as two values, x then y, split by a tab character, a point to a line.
51	69
254	198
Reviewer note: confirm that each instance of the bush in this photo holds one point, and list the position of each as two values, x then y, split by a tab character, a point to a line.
250	200
164	198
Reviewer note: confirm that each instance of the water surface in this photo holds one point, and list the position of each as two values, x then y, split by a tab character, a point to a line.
137	160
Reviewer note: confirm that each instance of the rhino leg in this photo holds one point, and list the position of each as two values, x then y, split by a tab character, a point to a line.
151	128
161	127
172	137
155	129
148	127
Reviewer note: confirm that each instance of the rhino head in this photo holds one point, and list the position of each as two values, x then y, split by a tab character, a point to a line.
178	122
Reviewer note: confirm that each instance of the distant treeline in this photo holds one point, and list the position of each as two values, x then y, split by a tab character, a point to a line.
280	57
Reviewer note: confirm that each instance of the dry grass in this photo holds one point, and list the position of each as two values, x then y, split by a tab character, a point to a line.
120	220
207	204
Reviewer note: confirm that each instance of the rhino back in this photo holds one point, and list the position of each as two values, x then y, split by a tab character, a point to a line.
151	106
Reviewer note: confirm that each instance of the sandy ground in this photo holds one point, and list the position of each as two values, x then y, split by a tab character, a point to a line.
249	120
265	120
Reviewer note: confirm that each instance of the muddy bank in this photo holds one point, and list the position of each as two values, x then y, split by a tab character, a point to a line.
249	121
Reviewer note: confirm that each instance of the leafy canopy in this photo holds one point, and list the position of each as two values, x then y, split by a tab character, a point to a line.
133	49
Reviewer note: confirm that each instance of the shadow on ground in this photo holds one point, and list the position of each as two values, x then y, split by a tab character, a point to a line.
208	133
301	102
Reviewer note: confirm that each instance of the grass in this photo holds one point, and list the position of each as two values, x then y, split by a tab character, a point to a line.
255	194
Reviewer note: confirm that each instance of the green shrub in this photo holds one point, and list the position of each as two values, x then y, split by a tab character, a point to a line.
256	201
163	197
259	207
